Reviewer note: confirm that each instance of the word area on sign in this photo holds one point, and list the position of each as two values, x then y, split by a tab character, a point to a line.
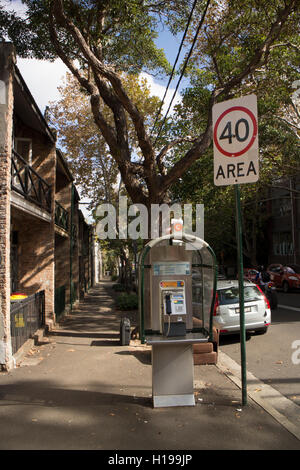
234	171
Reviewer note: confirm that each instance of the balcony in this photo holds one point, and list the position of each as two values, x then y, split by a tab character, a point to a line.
61	217
28	183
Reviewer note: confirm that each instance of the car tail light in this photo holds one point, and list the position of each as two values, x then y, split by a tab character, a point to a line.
216	308
265	298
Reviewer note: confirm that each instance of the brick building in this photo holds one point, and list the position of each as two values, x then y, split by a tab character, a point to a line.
284	222
46	247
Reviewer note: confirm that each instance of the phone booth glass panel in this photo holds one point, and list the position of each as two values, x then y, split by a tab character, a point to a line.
177	288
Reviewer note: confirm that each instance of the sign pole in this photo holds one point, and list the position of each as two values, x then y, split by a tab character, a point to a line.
235	139
239	234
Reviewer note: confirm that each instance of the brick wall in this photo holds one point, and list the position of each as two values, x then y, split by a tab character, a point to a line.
36	258
7	59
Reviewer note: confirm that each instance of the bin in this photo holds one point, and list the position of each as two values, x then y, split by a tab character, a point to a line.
125	331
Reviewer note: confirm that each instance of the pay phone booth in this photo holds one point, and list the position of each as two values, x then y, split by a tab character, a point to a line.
177	289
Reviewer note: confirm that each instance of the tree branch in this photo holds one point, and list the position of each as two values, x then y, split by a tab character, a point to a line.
114	79
200	146
106	129
168	147
286	44
262	53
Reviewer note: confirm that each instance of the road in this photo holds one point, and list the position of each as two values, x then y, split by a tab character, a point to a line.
274	357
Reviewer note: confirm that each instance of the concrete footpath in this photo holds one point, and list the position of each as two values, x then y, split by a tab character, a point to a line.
80	389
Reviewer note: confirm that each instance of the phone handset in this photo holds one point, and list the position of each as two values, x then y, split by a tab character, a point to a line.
168	304
168	310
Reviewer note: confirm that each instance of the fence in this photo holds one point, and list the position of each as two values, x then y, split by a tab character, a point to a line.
26	317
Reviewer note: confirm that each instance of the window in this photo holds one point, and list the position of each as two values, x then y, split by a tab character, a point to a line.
283	244
275	269
294	268
231	295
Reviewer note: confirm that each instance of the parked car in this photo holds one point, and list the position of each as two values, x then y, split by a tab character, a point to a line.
256	305
285	276
250	274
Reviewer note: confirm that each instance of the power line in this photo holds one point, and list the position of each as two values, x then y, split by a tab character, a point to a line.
184	67
175	63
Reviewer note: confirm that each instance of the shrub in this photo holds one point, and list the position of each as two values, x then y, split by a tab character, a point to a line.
127	301
119	287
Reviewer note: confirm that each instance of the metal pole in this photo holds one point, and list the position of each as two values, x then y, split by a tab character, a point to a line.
71	246
293	221
241	294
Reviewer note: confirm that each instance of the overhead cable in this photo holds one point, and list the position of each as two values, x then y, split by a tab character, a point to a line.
176	60
184	67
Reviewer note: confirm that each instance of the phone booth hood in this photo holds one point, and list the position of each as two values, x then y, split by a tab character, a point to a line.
177	289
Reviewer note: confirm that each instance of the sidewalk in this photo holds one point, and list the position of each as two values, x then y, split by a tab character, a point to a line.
81	389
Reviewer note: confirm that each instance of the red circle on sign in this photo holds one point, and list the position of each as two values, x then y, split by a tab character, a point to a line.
252	117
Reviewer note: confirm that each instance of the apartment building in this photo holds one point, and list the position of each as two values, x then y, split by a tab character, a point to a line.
284	222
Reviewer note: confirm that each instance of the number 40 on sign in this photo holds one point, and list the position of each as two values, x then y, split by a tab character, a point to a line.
235	138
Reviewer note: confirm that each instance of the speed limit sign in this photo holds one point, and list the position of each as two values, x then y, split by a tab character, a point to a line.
235	138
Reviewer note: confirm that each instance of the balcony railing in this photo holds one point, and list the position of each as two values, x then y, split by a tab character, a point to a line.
27	182
61	216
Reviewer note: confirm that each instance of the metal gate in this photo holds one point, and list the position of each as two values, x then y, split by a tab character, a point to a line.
26	317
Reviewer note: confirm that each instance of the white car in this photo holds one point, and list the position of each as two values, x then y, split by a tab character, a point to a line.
227	309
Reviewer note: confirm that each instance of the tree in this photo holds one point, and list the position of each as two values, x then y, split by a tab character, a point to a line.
98	40
85	148
88	154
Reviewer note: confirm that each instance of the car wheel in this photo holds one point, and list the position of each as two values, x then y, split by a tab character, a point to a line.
285	286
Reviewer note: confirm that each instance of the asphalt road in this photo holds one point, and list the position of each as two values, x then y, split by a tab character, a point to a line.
274	357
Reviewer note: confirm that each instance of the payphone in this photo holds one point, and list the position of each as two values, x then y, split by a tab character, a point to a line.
173	308
177	288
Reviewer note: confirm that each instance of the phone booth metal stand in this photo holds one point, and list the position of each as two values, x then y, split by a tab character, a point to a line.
177	289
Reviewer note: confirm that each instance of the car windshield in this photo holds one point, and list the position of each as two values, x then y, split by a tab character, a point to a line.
293	269
275	269
231	295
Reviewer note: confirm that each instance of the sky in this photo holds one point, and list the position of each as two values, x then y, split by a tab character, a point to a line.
43	77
